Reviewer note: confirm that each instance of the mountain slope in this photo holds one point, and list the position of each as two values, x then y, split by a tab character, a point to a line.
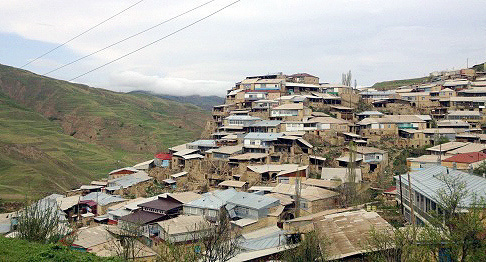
204	102
131	122
55	135
36	158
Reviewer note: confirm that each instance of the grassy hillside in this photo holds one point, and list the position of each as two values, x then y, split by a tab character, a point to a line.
36	158
17	250
386	85
55	135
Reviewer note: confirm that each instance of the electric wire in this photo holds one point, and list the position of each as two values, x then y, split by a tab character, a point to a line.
129	37
86	31
156	41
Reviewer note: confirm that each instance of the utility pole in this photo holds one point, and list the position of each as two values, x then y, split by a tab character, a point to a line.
297	195
401	193
412	214
349	184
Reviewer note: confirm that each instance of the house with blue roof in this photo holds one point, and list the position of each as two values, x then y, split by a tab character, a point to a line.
129	184
259	142
102	201
209	204
266	126
202	145
426	184
242	207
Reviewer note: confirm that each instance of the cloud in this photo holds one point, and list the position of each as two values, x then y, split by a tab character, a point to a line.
129	81
377	40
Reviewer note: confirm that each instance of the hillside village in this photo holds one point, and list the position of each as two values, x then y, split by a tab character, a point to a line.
288	154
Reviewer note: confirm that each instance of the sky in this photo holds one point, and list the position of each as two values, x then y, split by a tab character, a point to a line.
376	40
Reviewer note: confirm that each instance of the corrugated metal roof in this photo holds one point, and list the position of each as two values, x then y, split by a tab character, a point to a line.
253	201
229	149
185	197
309	193
291	106
425	159
232	183
263	136
244	222
125	168
285	200
272	168
182	224
130	180
90	187
472	147
242	117
347	231
66	203
185	152
92	236
203	142
452	123
102	198
447	146
192	156
426	182
213	200
119	212
370	113
177	175
261	188
178	148
464	113
266	123
143	165
291	170
264	238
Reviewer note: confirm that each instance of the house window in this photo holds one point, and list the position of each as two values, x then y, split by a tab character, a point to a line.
212	213
304	205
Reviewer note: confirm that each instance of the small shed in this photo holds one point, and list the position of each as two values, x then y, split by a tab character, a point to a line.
241	185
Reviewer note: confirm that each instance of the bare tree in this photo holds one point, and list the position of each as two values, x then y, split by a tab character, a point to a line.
218	242
346	78
125	243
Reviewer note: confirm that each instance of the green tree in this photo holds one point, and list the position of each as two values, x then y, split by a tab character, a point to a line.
481	169
42	222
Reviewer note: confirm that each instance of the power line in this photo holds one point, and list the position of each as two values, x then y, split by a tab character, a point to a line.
130	37
158	40
86	31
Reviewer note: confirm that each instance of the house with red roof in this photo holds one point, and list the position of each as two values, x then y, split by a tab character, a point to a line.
464	161
163	159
